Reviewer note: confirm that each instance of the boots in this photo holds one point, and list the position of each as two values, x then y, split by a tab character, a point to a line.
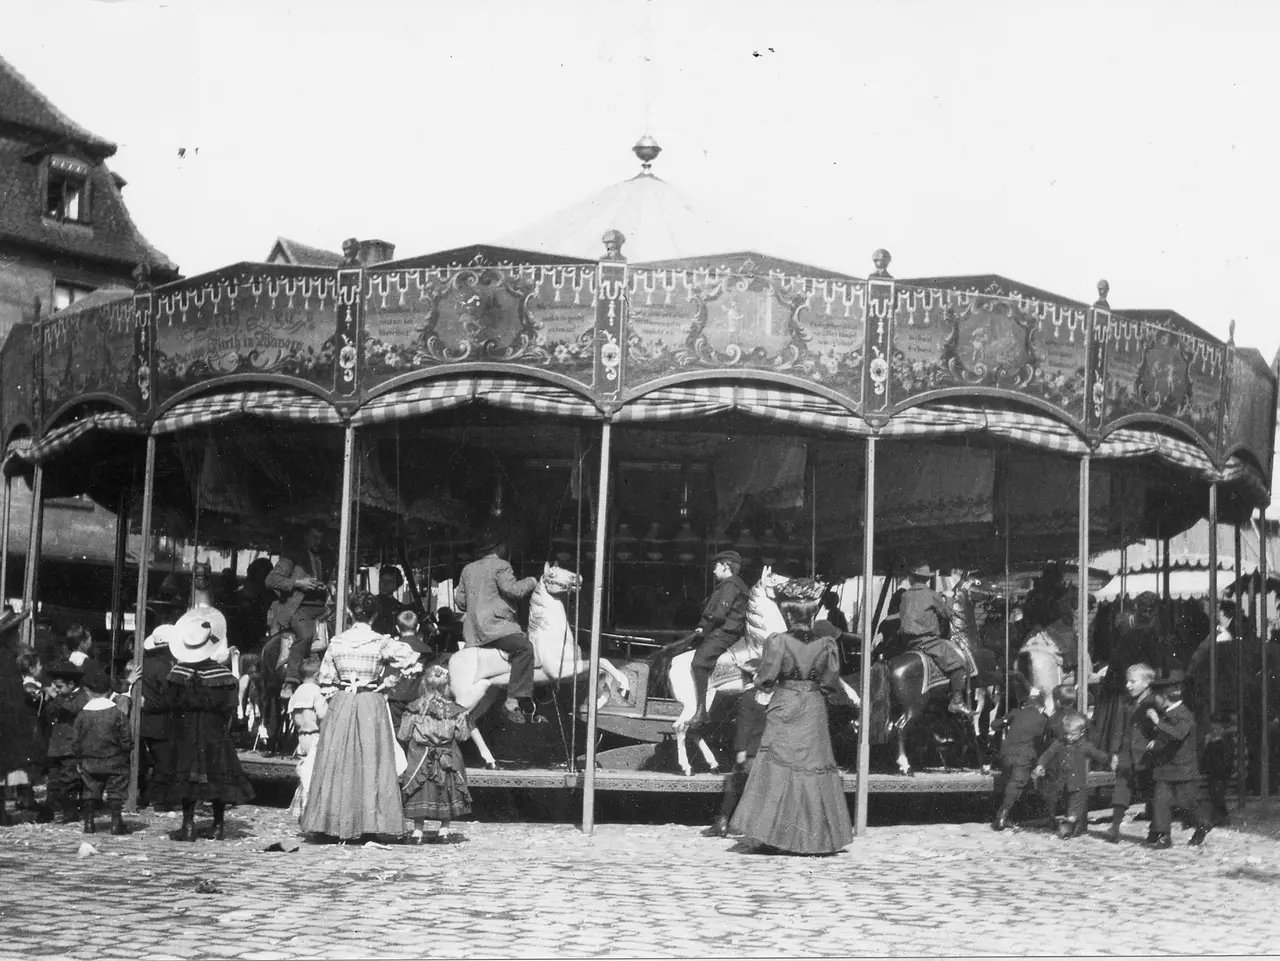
5	819
1002	820
957	705
86	814
187	832
1112	835
719	828
1067	829
219	831
1162	842
117	819
1197	839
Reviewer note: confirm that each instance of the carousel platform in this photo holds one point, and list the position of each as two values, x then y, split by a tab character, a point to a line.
263	768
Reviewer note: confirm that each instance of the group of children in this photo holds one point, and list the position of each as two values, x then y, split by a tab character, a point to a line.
1153	751
429	726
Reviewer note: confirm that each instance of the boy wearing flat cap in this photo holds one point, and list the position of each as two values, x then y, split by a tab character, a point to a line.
1175	767
724	618
62	767
924	626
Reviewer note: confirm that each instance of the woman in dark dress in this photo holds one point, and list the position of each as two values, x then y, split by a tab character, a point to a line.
198	699
18	745
794	799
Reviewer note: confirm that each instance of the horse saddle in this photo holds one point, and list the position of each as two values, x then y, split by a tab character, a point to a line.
933	676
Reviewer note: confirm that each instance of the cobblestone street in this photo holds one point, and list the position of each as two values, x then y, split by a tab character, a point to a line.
538	890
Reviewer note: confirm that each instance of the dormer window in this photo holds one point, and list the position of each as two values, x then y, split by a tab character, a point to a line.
67	190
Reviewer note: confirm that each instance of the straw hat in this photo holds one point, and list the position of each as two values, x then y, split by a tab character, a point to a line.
192	640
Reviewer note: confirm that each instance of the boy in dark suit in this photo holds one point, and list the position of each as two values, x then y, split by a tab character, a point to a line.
1175	767
1129	740
748	730
62	767
1024	730
1071	754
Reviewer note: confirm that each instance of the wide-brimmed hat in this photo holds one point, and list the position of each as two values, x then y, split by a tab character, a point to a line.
921	569
1168	680
731	557
159	638
64	670
193	640
801	589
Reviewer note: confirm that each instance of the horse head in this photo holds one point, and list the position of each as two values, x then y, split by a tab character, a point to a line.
763	617
559	580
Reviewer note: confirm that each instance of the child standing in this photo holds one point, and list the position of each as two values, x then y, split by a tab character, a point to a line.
1129	740
61	767
1073	752
1175	769
748	730
307	707
434	785
102	746
1024	729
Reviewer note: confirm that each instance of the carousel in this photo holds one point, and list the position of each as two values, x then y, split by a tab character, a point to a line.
628	393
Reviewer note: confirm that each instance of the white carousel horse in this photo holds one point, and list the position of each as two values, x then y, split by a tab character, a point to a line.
477	675
1040	659
763	621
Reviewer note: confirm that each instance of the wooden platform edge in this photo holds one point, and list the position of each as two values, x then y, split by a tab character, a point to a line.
262	768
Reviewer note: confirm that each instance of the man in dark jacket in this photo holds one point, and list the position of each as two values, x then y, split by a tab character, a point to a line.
723	621
747	733
925	624
1130	737
1175	767
299	580
1024	731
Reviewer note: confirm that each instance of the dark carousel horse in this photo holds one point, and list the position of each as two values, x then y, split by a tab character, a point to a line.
262	704
901	702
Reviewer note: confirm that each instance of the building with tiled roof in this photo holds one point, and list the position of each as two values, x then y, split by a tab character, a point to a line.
64	227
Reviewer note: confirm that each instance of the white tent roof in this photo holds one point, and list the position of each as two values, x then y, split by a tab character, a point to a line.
1182	583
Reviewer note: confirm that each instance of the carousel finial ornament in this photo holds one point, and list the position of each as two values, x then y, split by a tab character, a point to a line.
881	258
613	241
647	150
1231	332
1104	288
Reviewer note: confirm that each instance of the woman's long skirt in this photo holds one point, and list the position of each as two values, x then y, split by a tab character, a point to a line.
354	787
794	799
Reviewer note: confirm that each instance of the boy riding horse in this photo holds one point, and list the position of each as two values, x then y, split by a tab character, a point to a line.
925	624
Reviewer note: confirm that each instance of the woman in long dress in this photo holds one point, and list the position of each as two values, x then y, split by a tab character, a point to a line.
355	788
794	799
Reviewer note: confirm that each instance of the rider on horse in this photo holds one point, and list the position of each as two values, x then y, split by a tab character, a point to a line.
925	624
724	618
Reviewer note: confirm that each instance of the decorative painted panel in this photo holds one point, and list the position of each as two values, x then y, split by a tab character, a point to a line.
540	316
722	320
1100	325
1152	370
948	340
17	378
610	332
279	321
90	351
1250	401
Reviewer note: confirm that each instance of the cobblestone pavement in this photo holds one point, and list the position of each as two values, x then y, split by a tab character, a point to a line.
536	890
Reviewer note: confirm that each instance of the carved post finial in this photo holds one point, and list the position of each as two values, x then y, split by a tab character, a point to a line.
881	258
1104	288
351	252
141	278
1231	331
613	241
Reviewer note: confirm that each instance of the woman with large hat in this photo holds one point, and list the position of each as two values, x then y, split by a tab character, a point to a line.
794	799
198	698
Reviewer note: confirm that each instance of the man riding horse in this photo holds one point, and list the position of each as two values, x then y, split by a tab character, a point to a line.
925	624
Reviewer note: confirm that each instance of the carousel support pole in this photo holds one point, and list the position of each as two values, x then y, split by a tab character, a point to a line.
597	599
1213	598
868	566
344	525
1239	626
140	620
117	575
813	516
1082	591
30	582
1008	594
1264	762
5	515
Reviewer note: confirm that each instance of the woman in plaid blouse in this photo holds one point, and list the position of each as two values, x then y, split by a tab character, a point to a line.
355	787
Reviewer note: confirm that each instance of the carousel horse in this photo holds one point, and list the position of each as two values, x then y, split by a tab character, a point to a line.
1048	657
477	675
262	707
763	620
916	689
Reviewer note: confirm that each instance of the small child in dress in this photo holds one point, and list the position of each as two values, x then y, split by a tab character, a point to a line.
307	707
1073	752
1024	730
1219	765
434	785
102	745
748	730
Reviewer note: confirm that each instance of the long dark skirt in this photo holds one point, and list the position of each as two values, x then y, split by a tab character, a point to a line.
354	787
794	799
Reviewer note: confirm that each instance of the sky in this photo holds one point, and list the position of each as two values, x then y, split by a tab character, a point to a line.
1052	143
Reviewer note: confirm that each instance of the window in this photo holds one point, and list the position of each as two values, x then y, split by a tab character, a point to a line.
64	294
67	193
